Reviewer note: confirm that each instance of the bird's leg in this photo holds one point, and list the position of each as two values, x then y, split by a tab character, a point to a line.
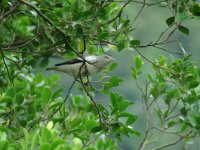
100	82
81	81
87	83
90	84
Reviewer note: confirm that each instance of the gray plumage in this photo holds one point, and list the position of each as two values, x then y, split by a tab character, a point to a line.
73	67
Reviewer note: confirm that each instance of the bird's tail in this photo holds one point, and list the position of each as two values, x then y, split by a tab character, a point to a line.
50	68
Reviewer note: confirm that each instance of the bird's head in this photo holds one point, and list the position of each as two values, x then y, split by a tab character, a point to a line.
104	60
108	58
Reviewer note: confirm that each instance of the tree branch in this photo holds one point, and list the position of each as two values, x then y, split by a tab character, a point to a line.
66	37
9	12
119	13
175	142
93	101
3	57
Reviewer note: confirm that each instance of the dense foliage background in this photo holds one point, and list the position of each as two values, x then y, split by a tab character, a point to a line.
155	71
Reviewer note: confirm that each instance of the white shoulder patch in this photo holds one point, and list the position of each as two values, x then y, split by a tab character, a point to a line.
91	58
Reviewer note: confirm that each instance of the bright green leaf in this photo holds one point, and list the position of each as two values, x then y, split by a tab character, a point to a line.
19	98
180	17
96	129
45	146
135	42
131	120
46	135
138	62
193	84
89	124
46	95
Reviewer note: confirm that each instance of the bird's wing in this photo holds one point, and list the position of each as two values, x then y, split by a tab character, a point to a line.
70	62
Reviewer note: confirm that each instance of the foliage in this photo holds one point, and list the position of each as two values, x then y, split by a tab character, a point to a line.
172	94
34	114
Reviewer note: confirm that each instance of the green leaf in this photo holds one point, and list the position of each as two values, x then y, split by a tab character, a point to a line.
77	100
81	45
45	135
150	77
180	17
44	63
132	131
91	1
113	98
38	78
170	20
46	95
58	141
3	3
193	84
135	42
183	111
75	122
78	144
138	62
45	146
197	119
57	93
121	45
114	80
23	123
89	124
4	145
6	99
3	136
134	73
10	92
100	144
35	140
125	114
19	98
50	125
57	102
131	120
184	30
171	124
196	9
89	108
113	66
96	129
123	105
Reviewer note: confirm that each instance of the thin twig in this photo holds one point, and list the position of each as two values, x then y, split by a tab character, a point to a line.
168	132
163	49
175	142
139	12
66	37
152	61
91	98
21	44
3	57
119	13
15	62
68	93
9	12
147	115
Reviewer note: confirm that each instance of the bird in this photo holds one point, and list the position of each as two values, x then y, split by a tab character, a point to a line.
83	67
